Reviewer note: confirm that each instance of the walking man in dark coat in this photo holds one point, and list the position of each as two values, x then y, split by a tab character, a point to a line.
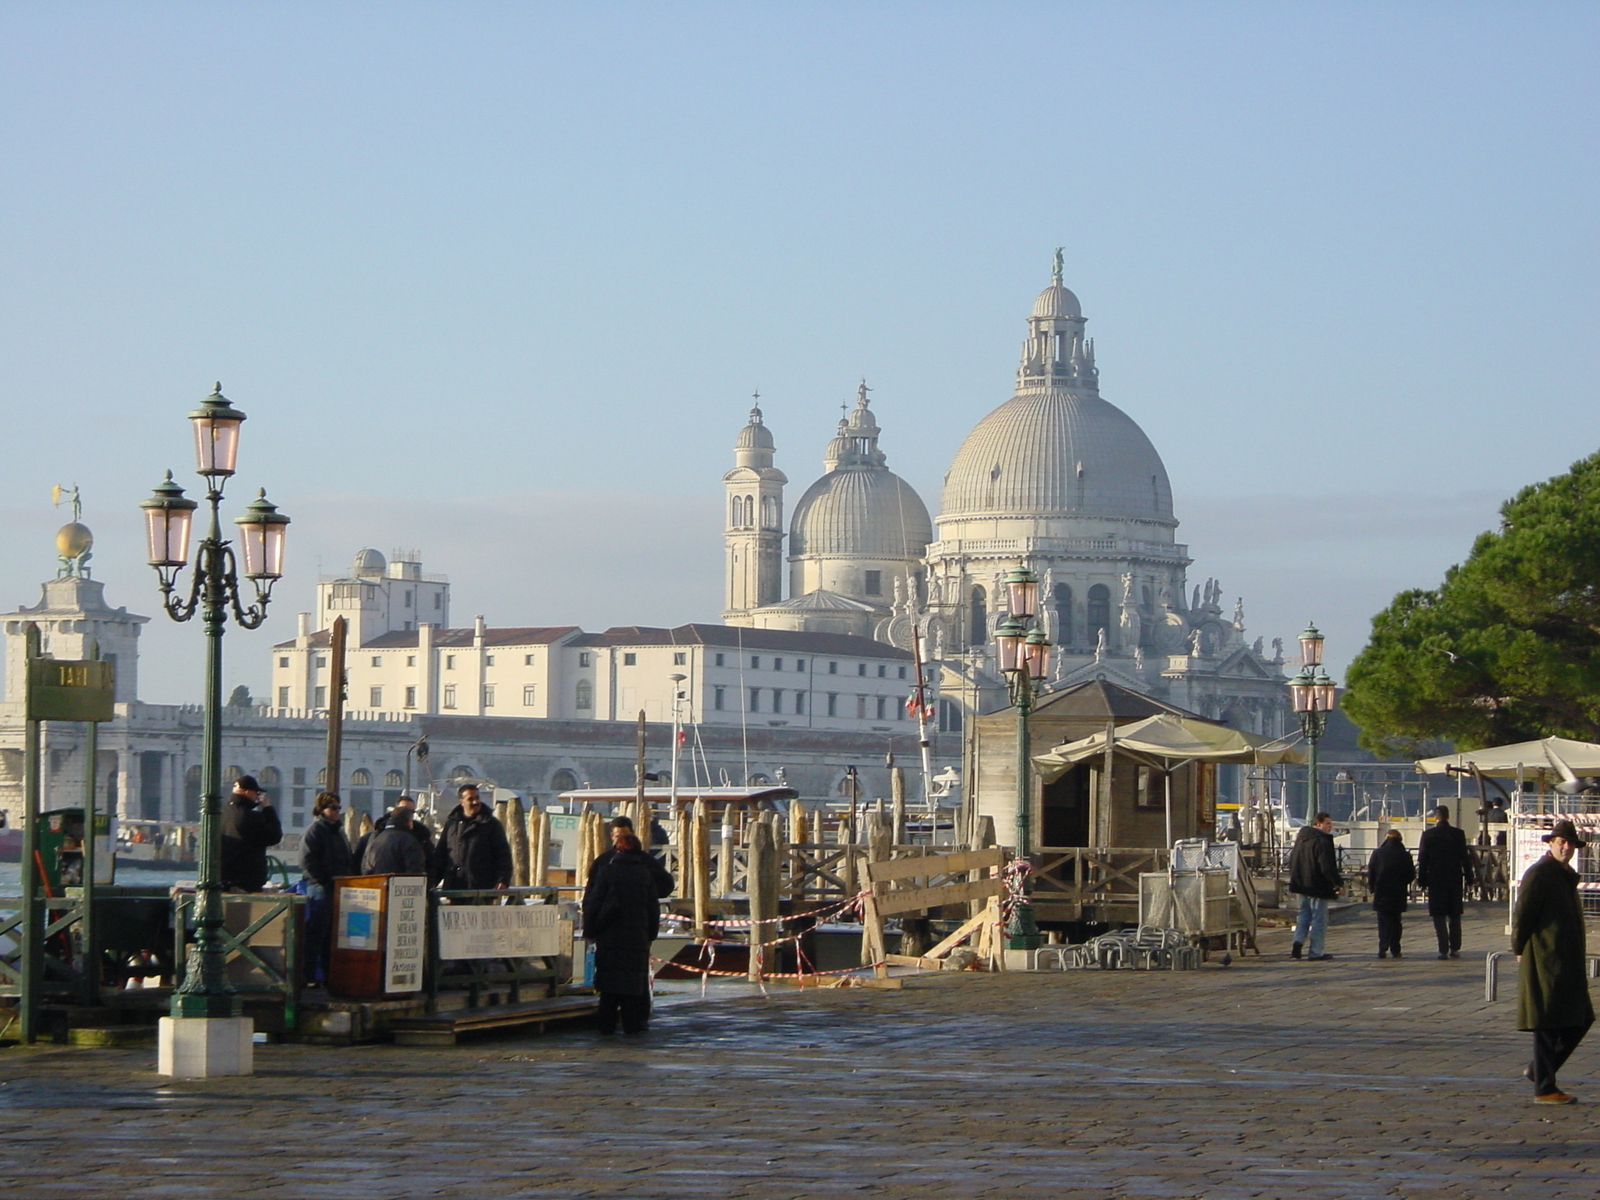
1389	875
1444	871
250	828
1314	877
621	917
393	850
419	831
1552	983
473	851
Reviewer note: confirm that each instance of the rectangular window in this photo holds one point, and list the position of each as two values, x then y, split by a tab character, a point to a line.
488	695
438	599
874	583
322	660
680	658
799	704
488	660
881	702
883	671
799	664
530	695
411	697
718	698
861	708
902	672
377	660
300	776
449	662
630	660
777	700
449	695
283	661
583	658
755	699
861	668
720	660
283	697
319	697
833	668
411	660
408	599
777	664
375	697
755	662
833	704
527	660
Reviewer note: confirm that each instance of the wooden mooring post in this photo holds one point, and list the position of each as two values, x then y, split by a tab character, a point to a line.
761	886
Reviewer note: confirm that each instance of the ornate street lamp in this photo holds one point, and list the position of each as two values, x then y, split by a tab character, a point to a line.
1313	695
1023	652
213	592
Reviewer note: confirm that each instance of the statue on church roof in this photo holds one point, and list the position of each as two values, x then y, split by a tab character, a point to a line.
73	540
1059	268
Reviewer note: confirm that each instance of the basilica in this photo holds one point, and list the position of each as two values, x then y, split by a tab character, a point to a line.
1057	479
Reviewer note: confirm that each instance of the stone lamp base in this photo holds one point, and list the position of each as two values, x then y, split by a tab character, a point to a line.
205	1047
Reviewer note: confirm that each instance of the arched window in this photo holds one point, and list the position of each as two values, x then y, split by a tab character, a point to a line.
769	512
1061	601
749	512
269	777
979	633
584	698
360	778
735	512
322	778
394	779
229	774
564	781
462	771
1099	609
1147	610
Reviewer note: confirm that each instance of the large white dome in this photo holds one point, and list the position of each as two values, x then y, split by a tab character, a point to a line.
868	512
1053	452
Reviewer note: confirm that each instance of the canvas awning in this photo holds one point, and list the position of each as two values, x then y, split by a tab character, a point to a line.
1561	755
1166	742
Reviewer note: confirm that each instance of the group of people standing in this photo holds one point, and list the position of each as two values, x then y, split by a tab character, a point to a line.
1548	934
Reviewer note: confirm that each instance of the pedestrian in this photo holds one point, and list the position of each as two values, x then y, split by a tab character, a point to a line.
419	831
250	828
1314	877
324	857
623	827
621	917
473	852
1552	980
1444	871
1390	871
394	849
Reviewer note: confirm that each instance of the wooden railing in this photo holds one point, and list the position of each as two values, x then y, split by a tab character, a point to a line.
1093	874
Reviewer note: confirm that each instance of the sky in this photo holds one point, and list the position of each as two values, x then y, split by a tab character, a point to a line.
496	282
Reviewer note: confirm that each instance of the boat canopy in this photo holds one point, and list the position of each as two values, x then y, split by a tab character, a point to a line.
764	794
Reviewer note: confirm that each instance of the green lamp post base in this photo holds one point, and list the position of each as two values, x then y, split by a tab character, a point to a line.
199	1004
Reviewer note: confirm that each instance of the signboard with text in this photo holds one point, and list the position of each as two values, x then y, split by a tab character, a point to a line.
71	690
498	931
405	923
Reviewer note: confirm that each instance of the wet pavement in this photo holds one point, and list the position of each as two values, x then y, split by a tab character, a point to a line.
1268	1078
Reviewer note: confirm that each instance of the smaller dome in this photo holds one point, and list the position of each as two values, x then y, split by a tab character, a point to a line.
755	435
73	539
1057	301
368	562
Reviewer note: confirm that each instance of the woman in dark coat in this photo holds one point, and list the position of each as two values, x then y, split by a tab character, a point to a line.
324	856
621	916
1390	871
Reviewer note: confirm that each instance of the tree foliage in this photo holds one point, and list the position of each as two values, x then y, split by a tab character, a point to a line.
1507	648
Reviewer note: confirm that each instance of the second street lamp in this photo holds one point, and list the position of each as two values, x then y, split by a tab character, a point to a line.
214	591
1313	694
1023	653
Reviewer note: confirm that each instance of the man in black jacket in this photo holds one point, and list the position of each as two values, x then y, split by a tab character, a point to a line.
419	831
1553	983
1444	871
250	828
393	850
1314	877
473	851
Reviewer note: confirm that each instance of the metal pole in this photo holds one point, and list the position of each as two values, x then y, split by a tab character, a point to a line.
32	914
1312	733
91	959
337	636
1024	702
204	991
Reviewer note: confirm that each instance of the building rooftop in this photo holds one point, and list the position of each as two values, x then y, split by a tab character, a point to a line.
739	637
521	635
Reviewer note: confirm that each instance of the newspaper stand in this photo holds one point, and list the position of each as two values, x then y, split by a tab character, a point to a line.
379	932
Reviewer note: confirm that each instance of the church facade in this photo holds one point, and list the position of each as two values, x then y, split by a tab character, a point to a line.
1057	479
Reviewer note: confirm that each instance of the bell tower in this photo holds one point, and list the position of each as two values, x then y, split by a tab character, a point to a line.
753	535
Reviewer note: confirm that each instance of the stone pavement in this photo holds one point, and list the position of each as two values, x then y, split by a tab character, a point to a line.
1269	1078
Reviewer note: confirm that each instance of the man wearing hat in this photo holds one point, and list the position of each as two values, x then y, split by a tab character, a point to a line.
1552	983
250	828
1444	871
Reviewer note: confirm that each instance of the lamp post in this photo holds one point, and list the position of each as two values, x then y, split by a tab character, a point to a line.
214	591
1313	695
1024	658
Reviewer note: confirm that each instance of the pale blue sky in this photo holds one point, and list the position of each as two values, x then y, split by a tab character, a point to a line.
496	281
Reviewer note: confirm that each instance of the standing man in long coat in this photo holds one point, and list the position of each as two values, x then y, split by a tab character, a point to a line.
1444	871
1390	871
621	916
1552	983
